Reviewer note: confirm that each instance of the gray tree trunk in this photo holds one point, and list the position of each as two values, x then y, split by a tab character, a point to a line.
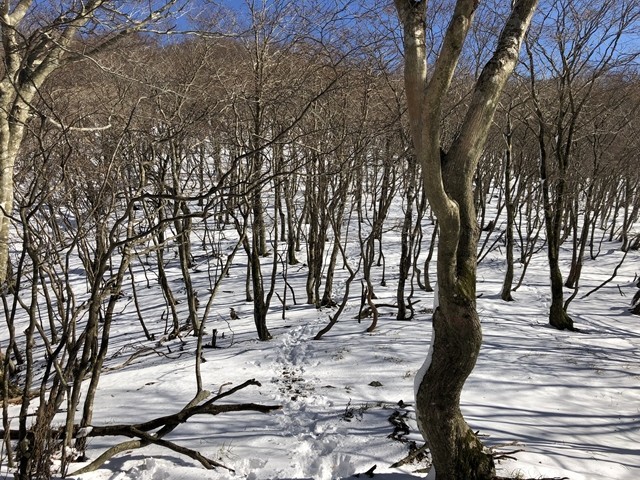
507	285
457	452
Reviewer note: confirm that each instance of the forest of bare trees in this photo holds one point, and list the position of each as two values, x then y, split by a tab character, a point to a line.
277	136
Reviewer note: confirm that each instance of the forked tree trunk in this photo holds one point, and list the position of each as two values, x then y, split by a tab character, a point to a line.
457	452
553	207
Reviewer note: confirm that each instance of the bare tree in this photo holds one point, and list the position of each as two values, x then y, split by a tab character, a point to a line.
571	49
447	176
36	40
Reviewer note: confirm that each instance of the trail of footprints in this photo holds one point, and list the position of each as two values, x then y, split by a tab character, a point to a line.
292	385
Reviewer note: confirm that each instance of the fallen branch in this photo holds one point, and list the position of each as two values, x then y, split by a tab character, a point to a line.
167	424
171	421
505	455
208	463
130	444
137	354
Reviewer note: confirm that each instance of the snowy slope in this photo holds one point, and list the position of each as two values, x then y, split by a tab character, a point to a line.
560	404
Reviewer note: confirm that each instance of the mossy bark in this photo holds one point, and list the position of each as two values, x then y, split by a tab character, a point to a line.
448	183
455	448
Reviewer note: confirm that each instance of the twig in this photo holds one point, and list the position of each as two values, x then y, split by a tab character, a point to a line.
537	478
507	455
613	275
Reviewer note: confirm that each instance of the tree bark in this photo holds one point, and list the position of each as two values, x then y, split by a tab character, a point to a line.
507	285
447	178
456	451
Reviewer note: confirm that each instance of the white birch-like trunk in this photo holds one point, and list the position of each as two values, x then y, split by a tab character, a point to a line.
10	141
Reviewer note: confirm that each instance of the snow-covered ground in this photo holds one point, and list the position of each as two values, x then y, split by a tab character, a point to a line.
559	404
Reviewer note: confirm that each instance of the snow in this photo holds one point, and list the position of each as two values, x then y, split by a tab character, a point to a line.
427	362
568	403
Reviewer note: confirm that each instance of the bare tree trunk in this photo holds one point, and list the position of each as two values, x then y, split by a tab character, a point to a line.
580	242
337	208
7	159
289	192
631	209
457	452
507	285
553	210
260	307
406	239
316	201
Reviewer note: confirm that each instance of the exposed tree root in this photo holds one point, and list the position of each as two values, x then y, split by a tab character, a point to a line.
414	455
417	454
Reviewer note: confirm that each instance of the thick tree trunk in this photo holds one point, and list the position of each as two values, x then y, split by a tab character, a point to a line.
10	141
455	449
457	452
